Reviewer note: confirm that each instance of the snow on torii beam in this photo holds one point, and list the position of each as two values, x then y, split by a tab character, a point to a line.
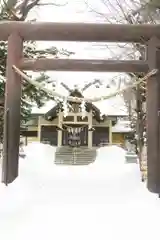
81	32
90	65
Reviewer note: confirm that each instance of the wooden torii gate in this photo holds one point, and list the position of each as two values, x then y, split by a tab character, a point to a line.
17	32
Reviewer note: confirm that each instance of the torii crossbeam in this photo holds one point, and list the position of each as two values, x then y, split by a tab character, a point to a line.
80	32
17	32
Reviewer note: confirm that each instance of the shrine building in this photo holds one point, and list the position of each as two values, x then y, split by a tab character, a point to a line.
85	127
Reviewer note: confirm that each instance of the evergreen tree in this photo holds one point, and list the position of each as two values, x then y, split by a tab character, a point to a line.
15	10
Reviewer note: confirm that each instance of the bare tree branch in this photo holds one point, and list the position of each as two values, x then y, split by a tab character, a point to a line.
52	4
19	11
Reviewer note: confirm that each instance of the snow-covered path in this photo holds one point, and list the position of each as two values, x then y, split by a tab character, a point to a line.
105	200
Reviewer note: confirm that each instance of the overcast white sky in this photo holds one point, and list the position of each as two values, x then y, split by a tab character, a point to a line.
76	11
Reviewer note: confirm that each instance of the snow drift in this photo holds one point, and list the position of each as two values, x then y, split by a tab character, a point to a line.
104	200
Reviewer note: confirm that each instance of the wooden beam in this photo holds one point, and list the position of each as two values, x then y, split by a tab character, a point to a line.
153	117
12	106
82	32
92	65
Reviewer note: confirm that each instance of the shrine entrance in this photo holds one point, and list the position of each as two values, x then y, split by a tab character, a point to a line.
17	32
75	133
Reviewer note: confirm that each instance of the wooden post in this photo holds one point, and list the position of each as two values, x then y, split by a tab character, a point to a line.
110	132
153	107
39	129
139	127
26	141
12	104
59	134
90	133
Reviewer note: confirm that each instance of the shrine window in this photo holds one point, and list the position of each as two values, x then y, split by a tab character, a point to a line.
68	119
81	119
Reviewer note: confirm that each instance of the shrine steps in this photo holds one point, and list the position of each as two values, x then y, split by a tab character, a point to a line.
75	156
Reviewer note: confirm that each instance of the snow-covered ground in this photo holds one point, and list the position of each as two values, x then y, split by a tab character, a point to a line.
104	200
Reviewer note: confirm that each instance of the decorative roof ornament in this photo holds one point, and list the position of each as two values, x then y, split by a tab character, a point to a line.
76	87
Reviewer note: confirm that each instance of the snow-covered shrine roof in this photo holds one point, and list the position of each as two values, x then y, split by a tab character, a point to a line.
122	127
114	106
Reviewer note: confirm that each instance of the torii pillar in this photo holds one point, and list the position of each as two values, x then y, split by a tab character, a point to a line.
153	116
12	110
